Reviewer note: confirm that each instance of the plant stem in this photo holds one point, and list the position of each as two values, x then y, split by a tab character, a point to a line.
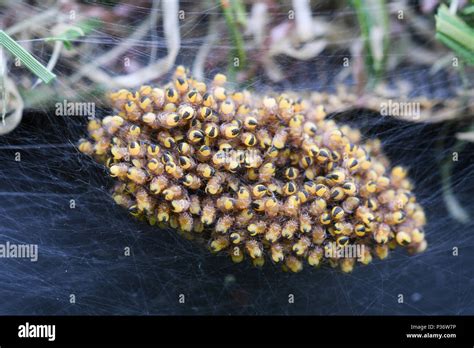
228	7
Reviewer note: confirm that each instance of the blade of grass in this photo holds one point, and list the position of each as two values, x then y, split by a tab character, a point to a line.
228	8
453	206
26	58
453	26
3	91
469	10
373	19
455	47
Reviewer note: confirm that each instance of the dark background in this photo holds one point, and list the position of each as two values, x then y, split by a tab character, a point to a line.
81	250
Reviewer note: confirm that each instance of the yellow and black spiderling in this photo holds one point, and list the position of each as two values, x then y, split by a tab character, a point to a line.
266	178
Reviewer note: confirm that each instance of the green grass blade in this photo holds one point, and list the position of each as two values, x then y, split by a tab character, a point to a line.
373	18
452	31
26	58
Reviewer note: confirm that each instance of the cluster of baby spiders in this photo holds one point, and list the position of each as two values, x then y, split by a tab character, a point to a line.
256	176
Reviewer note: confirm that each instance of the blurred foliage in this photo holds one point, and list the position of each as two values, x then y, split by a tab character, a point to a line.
107	43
